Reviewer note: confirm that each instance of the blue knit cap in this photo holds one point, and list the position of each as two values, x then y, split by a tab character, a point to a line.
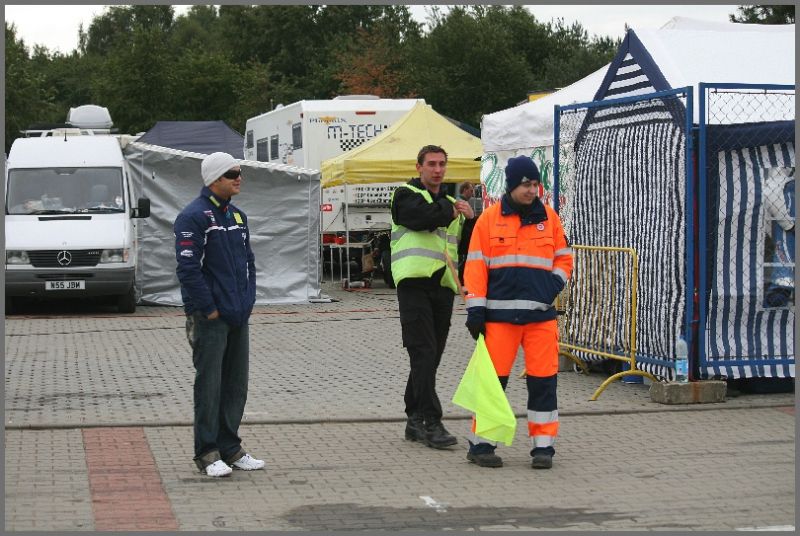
518	169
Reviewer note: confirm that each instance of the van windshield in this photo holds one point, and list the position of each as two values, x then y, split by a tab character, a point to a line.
76	190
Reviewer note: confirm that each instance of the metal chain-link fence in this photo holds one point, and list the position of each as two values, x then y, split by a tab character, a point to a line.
622	175
747	235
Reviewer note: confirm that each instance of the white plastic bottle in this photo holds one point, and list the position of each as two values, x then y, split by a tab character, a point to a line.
681	361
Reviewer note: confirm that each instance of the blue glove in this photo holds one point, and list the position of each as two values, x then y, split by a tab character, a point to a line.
476	321
476	329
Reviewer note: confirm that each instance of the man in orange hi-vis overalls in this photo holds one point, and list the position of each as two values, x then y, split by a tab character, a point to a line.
518	262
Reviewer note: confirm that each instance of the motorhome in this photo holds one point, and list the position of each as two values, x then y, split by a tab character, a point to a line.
306	133
70	218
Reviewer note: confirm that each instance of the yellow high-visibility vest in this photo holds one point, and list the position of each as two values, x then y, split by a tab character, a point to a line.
421	253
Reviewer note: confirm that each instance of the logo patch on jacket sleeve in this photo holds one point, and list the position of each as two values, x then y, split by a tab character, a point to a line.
238	218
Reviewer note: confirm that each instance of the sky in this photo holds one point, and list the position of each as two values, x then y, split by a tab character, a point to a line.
56	26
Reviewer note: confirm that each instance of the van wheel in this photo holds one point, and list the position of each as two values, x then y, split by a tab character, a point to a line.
9	305
386	261
126	303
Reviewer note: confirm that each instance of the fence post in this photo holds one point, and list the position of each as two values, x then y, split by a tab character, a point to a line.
556	145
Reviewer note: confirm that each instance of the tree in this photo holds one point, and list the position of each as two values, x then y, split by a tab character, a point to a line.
468	64
374	58
301	46
27	99
369	65
202	85
66	77
529	36
135	71
779	14
573	55
480	59
251	96
114	28
198	29
232	62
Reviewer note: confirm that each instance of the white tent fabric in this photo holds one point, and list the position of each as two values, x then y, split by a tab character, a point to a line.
687	51
282	207
531	124
685	23
728	56
730	53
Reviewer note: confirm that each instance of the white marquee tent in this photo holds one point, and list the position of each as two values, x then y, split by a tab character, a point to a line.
730	53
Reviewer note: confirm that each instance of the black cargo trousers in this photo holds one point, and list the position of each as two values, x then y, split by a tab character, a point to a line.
426	308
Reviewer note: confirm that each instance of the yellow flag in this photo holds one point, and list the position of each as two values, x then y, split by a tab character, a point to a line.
481	393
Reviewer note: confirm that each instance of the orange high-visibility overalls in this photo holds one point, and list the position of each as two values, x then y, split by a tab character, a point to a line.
515	269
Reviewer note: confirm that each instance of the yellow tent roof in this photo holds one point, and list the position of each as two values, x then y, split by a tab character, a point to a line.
392	156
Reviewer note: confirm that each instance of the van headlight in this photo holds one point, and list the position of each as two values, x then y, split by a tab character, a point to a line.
17	257
114	255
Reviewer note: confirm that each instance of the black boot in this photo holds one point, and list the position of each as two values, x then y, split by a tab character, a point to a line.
541	459
437	437
483	455
415	429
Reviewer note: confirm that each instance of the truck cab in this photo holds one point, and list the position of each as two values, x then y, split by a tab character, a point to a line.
70	219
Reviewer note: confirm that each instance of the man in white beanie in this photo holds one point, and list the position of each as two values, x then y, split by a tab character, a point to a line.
217	272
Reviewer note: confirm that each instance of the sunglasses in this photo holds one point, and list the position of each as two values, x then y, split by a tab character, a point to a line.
232	174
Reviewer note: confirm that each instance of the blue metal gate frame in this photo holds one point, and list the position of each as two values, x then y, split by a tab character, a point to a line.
688	92
703	283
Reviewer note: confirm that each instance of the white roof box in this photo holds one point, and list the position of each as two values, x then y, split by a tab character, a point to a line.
357	97
89	116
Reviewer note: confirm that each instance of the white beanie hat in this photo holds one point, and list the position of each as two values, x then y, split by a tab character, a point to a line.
214	165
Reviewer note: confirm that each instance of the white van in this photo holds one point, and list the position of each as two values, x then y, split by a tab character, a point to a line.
70	224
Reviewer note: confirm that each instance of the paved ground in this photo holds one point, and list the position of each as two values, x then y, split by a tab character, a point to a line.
98	437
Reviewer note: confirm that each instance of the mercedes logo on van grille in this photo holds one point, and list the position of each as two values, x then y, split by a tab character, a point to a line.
64	258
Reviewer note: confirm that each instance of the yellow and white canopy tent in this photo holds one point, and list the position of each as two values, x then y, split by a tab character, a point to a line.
392	156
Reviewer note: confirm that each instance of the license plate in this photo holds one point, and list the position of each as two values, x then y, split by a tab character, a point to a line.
65	285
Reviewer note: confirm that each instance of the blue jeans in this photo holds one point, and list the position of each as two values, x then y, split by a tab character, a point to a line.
220	353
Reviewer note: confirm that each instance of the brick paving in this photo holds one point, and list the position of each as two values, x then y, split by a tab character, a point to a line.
612	472
88	388
124	483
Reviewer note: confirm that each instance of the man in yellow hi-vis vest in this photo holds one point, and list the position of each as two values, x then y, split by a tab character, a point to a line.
426	225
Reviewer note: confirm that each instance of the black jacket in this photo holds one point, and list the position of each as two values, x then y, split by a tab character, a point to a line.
413	211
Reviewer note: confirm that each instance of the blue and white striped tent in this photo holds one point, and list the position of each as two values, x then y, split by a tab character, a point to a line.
736	338
682	53
743	336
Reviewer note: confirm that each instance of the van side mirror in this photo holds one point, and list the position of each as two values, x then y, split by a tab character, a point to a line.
142	209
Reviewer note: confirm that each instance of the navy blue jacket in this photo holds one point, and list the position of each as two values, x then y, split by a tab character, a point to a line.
216	266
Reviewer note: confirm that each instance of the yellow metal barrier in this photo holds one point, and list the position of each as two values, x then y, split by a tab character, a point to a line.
599	309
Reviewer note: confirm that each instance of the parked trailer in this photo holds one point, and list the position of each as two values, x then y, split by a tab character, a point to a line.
304	134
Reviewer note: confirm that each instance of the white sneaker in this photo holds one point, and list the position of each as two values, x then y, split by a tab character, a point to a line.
218	468
248	463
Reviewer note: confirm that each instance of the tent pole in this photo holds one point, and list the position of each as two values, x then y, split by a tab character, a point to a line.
346	232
